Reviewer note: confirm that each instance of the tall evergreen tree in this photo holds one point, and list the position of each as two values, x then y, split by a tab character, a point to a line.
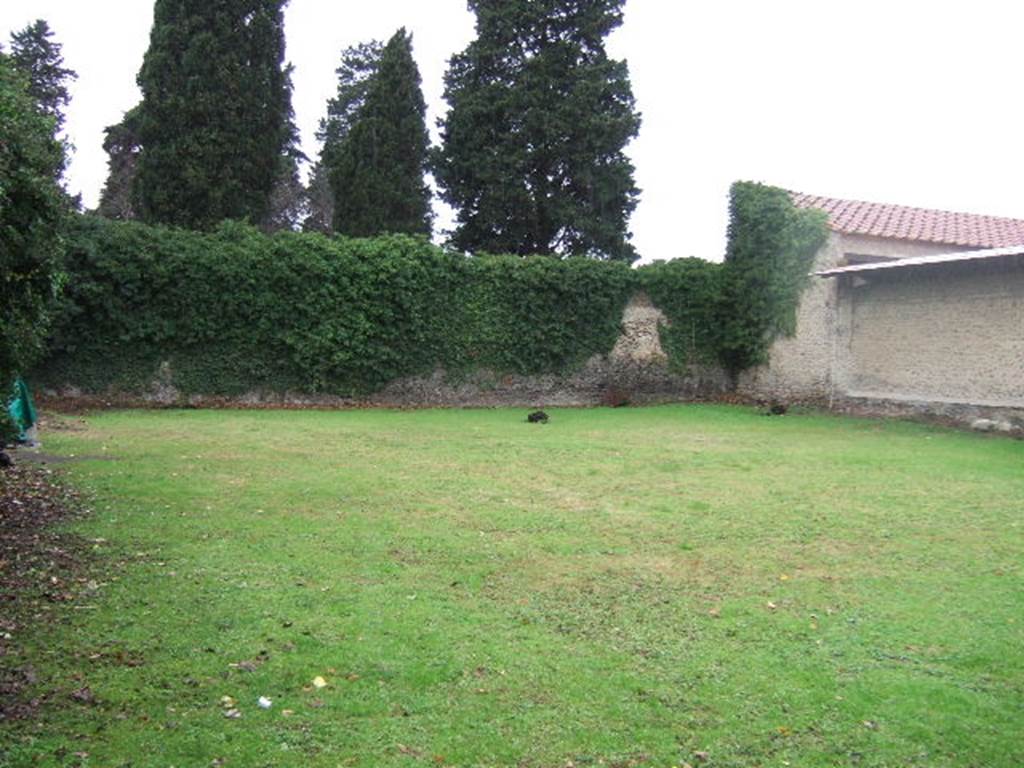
214	118
532	157
377	171
288	202
122	146
39	58
359	64
32	207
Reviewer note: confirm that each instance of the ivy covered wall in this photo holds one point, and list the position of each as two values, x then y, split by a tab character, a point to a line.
233	310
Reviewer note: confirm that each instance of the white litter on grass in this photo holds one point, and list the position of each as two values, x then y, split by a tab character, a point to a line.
265	703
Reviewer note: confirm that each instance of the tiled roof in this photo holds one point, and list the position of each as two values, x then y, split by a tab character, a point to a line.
902	222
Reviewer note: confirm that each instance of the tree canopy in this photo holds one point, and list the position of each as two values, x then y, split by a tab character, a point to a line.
358	65
376	173
39	58
122	146
32	206
215	119
532	157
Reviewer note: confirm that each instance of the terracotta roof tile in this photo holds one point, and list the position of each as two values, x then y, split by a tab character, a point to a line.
901	222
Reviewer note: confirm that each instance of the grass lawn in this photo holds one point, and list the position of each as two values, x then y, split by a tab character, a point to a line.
634	587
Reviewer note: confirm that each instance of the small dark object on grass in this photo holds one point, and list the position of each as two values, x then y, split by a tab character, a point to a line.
537	417
776	409
5	461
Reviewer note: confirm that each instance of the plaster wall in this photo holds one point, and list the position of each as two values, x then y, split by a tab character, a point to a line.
801	368
948	334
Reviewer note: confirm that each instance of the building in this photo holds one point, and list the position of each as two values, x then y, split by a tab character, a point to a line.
909	310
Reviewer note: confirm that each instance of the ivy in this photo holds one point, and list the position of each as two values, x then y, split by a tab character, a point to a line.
234	310
689	292
770	253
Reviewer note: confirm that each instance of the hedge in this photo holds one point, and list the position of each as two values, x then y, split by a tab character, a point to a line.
234	310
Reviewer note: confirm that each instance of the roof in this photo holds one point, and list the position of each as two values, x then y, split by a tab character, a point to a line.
923	261
901	222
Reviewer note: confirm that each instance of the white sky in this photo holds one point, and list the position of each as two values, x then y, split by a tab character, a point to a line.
902	101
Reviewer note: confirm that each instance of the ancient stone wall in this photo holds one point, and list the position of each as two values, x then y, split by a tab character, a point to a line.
800	368
938	341
945	333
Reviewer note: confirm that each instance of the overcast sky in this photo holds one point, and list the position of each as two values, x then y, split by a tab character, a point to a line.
884	100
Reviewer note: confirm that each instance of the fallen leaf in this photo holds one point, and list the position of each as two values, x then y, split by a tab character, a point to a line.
319	682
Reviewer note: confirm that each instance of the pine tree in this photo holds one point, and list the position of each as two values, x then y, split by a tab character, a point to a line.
214	119
532	157
377	171
39	58
359	64
122	146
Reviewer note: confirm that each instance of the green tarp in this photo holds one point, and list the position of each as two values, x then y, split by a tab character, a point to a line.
21	409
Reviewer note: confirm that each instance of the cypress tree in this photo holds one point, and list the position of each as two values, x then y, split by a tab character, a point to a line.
532	157
288	197
359	63
214	118
376	173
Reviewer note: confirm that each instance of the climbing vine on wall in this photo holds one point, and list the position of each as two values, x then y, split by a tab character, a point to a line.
233	310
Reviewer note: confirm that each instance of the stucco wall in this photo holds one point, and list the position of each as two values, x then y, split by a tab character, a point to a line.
800	368
943	333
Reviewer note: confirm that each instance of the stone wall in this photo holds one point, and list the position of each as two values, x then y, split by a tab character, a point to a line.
800	368
945	333
637	370
942	341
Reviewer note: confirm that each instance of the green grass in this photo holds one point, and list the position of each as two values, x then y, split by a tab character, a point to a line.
618	587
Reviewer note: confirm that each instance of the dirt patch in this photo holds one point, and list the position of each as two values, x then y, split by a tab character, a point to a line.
40	568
